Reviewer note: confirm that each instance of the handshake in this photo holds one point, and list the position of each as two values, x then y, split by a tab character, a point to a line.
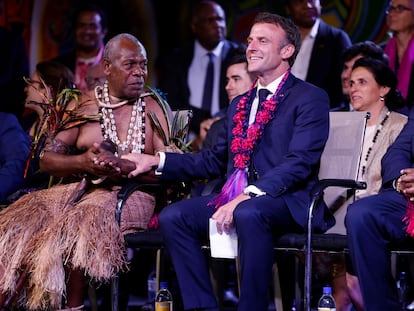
108	165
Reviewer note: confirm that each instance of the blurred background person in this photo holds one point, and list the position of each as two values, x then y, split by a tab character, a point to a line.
238	81
350	56
90	27
319	60
42	91
184	74
95	76
400	47
372	89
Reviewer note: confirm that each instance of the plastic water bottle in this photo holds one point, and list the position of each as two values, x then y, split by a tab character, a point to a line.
327	302
163	300
152	286
293	305
402	290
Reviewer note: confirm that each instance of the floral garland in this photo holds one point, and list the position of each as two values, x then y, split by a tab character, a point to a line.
244	139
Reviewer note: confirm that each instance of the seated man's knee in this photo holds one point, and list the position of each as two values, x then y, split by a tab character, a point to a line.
168	216
357	214
245	213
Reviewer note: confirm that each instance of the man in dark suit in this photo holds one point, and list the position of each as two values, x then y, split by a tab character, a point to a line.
376	221
269	171
90	27
183	73
320	58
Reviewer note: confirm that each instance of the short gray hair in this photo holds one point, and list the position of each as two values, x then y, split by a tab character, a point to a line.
112	45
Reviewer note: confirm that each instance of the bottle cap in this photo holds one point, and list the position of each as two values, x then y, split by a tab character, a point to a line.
327	290
163	284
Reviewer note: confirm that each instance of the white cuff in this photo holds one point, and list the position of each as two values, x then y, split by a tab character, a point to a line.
161	163
253	189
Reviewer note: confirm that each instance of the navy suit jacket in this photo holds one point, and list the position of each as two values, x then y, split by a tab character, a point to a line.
400	154
286	158
14	150
326	63
173	80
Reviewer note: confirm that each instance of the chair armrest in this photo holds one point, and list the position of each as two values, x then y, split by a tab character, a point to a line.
128	188
318	188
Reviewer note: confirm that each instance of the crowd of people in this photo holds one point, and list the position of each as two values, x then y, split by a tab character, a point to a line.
260	123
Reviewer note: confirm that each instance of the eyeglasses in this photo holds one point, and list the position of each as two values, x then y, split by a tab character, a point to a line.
398	9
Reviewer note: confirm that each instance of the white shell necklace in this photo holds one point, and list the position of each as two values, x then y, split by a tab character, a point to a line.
135	138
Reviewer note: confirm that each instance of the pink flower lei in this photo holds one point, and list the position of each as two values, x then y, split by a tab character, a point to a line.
244	139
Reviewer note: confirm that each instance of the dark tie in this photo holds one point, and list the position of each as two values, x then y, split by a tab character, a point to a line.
208	83
263	93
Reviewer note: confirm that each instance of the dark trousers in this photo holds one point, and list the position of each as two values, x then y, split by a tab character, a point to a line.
185	224
372	224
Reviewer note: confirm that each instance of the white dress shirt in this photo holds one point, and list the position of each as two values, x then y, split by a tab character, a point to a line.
197	75
301	65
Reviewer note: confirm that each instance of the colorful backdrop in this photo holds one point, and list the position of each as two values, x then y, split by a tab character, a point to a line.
162	25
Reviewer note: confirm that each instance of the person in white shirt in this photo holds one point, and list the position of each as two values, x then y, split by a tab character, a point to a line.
320	57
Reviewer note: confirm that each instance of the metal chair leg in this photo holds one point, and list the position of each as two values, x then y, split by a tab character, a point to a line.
277	292
115	293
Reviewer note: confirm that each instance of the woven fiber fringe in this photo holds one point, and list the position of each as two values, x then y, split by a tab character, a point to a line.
85	236
20	225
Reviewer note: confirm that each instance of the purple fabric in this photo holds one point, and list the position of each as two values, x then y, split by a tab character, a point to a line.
404	69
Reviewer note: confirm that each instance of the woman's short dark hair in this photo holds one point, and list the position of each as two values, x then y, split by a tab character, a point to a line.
384	76
56	75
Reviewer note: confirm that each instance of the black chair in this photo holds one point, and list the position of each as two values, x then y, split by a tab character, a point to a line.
338	171
146	239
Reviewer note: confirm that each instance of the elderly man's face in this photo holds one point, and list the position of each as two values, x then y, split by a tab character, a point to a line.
127	71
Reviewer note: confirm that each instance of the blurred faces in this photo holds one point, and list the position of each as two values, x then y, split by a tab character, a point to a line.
89	34
365	92
127	70
238	80
35	93
95	76
346	74
304	13
209	24
267	51
400	17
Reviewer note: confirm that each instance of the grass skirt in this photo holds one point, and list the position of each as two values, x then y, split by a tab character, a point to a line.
39	236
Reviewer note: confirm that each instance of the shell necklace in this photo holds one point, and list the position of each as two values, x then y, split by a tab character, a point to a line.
135	138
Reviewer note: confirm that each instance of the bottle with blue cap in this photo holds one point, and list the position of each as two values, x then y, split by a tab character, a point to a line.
327	302
163	300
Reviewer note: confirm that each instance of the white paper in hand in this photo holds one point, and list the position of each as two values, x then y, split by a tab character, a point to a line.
222	245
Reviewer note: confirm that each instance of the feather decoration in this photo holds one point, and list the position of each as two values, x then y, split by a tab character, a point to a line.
177	128
156	125
56	117
159	97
